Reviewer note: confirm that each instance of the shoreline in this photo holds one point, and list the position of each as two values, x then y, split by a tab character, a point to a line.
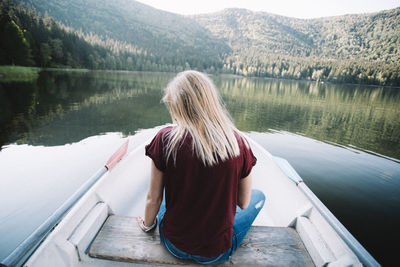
12	73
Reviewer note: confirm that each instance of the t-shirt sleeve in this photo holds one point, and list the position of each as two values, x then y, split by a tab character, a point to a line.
249	160
155	149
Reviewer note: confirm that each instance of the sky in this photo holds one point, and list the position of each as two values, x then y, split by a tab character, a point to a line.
290	8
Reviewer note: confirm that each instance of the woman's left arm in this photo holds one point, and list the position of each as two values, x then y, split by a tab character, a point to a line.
153	199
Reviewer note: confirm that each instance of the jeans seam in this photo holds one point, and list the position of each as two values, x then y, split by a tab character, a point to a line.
169	249
212	261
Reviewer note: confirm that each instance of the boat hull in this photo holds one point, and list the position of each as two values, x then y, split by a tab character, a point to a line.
122	192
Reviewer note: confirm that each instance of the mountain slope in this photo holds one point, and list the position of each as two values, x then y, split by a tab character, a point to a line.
32	40
367	36
247	31
353	48
177	38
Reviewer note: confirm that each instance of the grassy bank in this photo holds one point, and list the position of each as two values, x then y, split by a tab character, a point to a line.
18	73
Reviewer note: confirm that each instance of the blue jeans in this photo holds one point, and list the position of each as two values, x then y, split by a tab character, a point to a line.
243	221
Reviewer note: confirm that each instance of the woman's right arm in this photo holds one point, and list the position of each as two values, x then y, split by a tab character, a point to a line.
244	192
153	199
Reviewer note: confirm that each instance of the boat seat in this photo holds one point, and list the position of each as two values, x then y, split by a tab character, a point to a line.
121	239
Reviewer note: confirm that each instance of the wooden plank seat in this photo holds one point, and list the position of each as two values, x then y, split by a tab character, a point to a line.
120	239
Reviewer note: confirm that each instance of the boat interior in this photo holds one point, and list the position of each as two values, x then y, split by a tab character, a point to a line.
101	229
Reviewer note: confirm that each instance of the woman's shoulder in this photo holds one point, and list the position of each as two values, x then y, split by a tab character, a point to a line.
160	136
242	141
246	152
163	131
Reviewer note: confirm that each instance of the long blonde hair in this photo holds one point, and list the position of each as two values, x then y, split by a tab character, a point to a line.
196	109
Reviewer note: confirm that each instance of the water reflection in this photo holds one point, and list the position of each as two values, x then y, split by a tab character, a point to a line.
65	107
366	117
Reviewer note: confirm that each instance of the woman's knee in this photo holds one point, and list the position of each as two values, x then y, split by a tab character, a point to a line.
257	194
258	198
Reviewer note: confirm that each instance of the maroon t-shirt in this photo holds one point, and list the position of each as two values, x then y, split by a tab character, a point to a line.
200	200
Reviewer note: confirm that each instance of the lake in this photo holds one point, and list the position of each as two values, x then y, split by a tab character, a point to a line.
344	140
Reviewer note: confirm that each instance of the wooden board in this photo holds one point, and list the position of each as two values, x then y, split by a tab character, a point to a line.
121	239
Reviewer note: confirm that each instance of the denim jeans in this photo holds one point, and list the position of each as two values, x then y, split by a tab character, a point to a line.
243	221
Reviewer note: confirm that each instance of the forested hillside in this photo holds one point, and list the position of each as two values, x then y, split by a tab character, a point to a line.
167	39
125	34
352	48
32	38
366	36
28	39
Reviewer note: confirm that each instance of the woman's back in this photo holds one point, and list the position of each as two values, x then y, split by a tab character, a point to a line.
200	200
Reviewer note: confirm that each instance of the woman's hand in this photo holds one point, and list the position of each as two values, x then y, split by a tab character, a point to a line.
145	228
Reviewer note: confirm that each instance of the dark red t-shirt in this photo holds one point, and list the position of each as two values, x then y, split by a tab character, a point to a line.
200	200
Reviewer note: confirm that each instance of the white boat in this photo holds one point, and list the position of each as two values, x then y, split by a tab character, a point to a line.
120	193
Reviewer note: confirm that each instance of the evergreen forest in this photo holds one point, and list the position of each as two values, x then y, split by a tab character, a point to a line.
128	35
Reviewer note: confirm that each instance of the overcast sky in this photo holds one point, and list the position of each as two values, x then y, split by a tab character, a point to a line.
290	8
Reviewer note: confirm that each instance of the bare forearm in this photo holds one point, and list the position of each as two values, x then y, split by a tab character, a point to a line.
244	192
153	199
151	210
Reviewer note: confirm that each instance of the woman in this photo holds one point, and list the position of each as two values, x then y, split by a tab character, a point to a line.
204	165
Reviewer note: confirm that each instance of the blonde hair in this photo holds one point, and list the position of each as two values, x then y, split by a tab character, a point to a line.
196	109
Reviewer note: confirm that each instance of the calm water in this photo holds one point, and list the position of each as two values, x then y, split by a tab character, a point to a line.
343	140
